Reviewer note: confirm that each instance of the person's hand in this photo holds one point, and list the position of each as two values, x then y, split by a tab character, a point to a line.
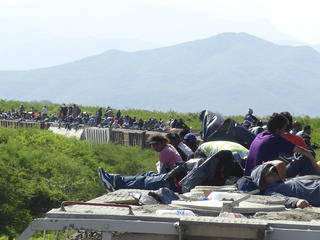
302	204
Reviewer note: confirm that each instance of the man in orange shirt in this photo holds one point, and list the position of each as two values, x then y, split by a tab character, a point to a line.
297	166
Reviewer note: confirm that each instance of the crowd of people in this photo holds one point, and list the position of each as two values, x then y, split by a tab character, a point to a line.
280	161
72	117
24	114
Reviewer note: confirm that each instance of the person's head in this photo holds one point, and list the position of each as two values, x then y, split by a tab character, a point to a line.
191	141
289	117
158	142
250	111
269	176
190	137
246	123
307	129
297	126
174	139
277	123
183	133
259	123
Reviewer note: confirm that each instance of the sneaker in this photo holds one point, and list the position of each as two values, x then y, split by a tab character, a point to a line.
107	180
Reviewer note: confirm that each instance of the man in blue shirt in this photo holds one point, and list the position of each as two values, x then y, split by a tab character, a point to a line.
298	192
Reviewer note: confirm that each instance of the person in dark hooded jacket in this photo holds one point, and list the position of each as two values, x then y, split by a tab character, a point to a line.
298	192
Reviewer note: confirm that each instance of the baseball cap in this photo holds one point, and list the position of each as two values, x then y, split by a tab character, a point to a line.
267	170
190	137
247	122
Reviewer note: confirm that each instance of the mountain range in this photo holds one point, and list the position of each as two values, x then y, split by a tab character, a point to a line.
226	73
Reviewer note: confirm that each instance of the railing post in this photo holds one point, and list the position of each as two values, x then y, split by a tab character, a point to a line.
143	140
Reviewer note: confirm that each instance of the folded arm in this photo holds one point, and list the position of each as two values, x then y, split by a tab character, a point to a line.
307	154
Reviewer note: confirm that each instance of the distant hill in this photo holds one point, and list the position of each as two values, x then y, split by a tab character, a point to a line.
24	48
228	72
316	47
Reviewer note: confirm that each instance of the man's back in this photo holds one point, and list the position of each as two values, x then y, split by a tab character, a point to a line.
265	147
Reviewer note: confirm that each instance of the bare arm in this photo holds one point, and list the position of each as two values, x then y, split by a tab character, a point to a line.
307	154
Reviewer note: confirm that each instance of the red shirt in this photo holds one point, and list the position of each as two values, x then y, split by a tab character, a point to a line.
295	140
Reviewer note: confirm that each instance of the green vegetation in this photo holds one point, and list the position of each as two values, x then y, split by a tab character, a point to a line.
40	169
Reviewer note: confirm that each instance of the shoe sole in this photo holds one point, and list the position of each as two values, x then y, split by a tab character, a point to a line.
104	182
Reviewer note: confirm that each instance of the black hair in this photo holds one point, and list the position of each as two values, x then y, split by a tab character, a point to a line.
158	138
259	123
307	127
276	121
289	117
173	136
183	132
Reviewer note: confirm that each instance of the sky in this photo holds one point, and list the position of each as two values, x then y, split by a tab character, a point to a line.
166	21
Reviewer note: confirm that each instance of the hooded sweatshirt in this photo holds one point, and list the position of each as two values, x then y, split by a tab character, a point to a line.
292	190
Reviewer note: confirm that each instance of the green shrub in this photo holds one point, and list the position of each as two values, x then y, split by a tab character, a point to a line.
40	169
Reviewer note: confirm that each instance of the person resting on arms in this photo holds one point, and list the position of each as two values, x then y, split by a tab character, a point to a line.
215	170
269	145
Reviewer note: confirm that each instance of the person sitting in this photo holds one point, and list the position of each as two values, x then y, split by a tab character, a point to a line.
105	122
258	128
269	144
246	124
140	123
92	121
297	140
126	122
216	170
191	141
298	192
168	155
115	124
250	117
305	134
184	151
183	132
108	112
296	127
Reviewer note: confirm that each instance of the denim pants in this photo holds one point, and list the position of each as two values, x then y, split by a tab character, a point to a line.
147	181
301	167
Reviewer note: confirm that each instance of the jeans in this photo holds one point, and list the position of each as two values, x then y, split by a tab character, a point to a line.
147	181
301	167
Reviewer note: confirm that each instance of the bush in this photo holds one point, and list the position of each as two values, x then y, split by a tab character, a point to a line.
39	170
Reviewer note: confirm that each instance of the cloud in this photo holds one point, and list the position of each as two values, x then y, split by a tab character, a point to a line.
162	20
15	2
